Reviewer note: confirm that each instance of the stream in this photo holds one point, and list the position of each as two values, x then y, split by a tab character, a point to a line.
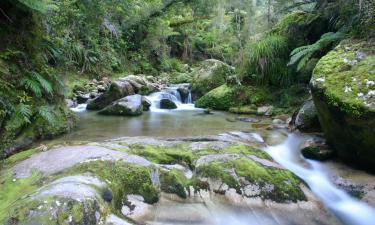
187	120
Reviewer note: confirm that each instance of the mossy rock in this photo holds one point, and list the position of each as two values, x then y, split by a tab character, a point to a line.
314	152
209	75
221	98
343	89
167	104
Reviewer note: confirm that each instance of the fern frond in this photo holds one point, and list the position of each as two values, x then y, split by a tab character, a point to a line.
46	113
20	117
33	86
45	84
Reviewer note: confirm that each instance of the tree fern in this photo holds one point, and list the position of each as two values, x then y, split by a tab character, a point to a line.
300	56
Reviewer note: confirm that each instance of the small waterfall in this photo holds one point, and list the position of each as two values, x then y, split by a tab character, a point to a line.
172	93
349	210
79	108
190	99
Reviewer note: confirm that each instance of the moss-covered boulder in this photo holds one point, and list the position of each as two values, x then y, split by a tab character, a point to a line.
343	89
166	103
128	106
210	74
220	98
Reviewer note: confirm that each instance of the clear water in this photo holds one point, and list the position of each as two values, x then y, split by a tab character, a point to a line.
94	127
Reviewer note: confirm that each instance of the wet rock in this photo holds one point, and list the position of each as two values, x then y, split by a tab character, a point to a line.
146	104
117	90
184	90
248	119
166	103
69	103
306	119
317	149
128	106
265	110
82	98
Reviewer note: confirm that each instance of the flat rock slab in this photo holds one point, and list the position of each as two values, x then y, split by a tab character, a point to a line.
59	159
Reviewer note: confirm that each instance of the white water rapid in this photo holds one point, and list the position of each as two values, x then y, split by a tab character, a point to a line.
349	210
174	95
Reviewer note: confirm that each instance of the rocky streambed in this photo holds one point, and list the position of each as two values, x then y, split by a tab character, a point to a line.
141	180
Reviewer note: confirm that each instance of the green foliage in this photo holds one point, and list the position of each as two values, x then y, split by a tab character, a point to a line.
265	59
300	56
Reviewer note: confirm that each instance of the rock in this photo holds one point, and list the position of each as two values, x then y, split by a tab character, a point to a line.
166	103
248	109
248	119
345	100
278	121
220	98
146	104
128	106
306	119
117	90
69	103
265	110
184	90
82	98
317	149
209	75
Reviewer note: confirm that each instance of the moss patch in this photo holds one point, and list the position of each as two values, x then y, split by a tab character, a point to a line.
12	191
124	179
174	182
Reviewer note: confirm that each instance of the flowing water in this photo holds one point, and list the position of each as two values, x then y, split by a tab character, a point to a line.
349	210
187	120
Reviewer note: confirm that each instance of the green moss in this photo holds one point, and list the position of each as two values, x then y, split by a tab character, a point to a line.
220	98
218	171
347	118
124	179
284	182
13	190
19	157
175	182
247	109
333	76
77	213
163	155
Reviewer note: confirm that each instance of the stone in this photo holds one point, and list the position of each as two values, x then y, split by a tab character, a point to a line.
317	149
128	106
306	119
146	104
265	110
345	100
210	74
166	103
117	90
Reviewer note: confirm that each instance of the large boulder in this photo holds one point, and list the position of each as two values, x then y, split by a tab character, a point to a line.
306	118
343	89
117	90
220	98
128	106
209	75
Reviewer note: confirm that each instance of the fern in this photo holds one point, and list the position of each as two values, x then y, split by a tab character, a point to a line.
300	56
20	117
46	113
33	86
45	84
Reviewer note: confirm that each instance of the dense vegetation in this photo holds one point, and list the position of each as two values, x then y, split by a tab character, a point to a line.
48	45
